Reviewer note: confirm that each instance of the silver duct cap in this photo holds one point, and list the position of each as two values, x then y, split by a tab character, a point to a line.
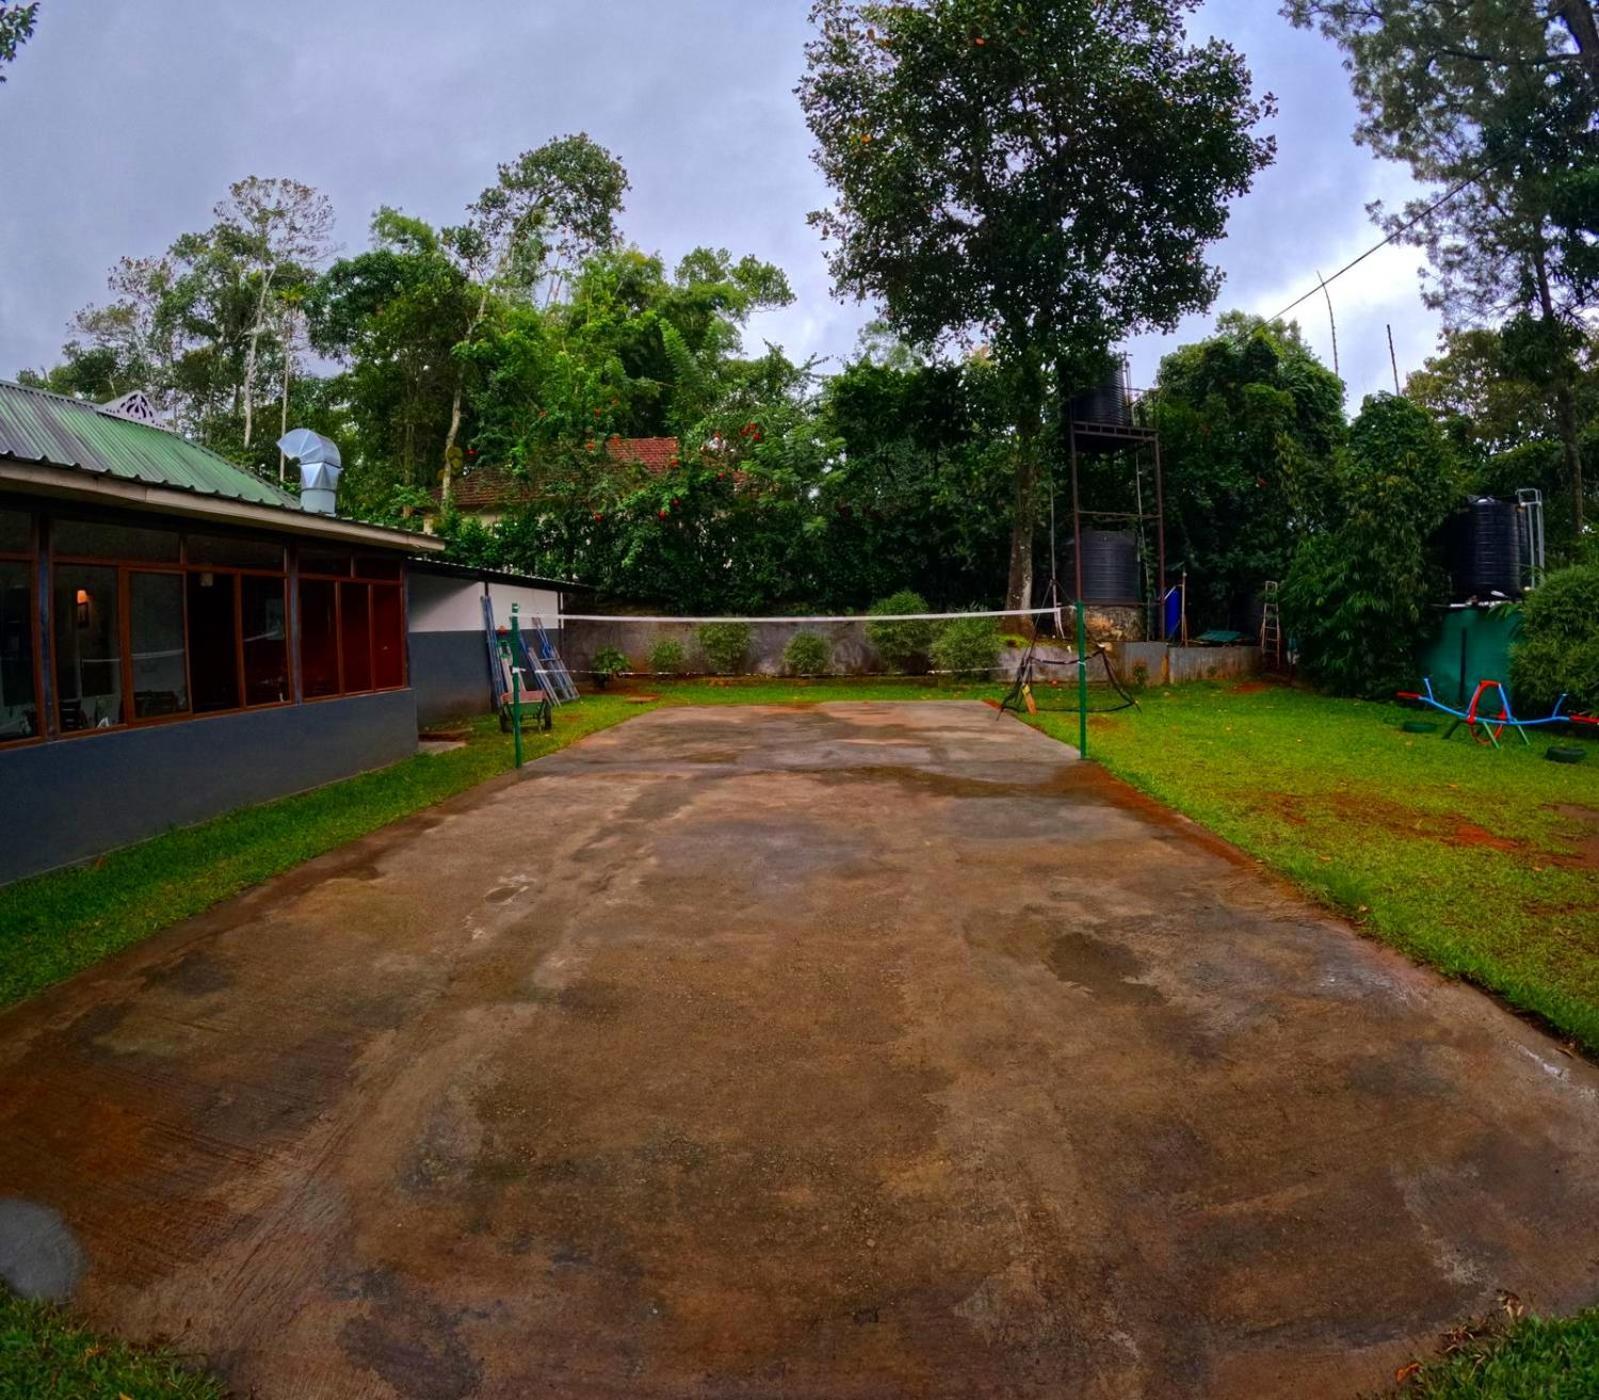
320	469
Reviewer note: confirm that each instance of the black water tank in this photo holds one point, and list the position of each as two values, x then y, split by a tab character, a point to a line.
1485	550
1110	567
1109	401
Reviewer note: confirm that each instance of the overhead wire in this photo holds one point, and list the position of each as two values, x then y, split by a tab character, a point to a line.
1399	232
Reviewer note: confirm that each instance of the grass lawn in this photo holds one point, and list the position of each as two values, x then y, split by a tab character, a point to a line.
1535	1359
1484	864
44	1355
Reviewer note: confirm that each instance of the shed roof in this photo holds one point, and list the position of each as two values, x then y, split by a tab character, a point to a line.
82	451
37	426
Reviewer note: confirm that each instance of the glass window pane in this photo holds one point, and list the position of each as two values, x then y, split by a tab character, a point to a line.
355	631
237	553
155	637
213	642
19	715
319	638
266	641
87	537
16	531
322	561
377	568
87	653
388	638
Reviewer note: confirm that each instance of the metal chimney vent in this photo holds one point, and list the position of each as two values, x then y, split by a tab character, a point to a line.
320	469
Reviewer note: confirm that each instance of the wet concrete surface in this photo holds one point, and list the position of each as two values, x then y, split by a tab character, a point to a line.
852	1051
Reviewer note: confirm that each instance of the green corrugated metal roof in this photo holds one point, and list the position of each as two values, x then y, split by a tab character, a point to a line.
36	426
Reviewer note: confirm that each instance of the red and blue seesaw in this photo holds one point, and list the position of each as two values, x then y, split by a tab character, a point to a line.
1486	727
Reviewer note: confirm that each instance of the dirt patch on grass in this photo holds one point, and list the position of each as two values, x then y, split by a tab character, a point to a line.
1366	811
1586	854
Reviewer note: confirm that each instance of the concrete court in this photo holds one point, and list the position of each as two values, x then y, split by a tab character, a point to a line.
858	1050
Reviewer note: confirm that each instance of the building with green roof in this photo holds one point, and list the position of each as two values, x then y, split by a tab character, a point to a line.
178	636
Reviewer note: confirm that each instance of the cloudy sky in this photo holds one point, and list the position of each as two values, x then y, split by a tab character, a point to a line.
123	125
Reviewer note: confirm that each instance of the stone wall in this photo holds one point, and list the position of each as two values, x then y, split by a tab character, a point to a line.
852	654
1164	665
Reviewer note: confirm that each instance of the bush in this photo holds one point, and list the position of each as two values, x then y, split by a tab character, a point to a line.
725	645
967	644
807	654
903	646
607	662
666	657
1557	650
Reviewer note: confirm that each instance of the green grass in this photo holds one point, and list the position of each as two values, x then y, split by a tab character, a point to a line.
1535	1359
1458	854
45	1355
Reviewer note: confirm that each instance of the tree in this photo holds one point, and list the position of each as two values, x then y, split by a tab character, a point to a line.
280	231
549	208
16	28
1489	392
1040	174
1497	98
392	316
1249	421
1358	594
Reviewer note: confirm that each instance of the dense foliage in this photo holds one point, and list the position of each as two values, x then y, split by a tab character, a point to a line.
968	145
1249	423
1557	648
1496	101
1359	592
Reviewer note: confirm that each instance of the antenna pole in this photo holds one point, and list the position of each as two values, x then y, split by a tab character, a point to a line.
1331	322
1393	360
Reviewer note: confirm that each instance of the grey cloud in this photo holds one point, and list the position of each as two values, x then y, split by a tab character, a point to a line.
124	124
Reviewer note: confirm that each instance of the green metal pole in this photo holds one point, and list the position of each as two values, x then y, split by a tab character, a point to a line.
516	685
1082	683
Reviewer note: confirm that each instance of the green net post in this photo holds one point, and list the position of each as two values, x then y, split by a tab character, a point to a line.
516	684
1082	682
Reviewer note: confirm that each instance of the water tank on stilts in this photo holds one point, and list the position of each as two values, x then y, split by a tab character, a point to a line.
1110	567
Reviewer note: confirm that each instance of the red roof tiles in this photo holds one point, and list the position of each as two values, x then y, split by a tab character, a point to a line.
488	490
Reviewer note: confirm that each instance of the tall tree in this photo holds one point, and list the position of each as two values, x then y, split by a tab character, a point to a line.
1040	174
392	316
281	231
1498	98
1249	422
16	28
549	208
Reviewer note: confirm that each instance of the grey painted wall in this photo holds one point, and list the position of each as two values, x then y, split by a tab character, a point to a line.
79	797
450	675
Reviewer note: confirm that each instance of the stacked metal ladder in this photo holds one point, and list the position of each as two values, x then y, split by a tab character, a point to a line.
499	678
1271	627
546	661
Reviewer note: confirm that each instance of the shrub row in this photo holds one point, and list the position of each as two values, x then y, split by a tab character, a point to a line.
967	645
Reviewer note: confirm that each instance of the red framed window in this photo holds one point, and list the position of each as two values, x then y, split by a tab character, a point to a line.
150	624
352	624
20	703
